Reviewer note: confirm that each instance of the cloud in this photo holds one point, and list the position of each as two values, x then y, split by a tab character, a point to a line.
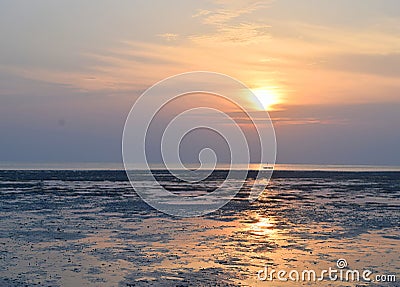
307	63
243	33
352	134
319	39
231	10
231	23
361	114
168	36
385	65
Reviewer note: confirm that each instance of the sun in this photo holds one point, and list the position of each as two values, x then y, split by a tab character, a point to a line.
267	98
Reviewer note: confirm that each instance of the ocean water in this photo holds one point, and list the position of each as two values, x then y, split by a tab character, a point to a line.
89	228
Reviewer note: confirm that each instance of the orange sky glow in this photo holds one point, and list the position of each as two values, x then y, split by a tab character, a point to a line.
312	65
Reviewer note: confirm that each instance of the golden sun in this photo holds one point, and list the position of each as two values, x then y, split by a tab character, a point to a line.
267	98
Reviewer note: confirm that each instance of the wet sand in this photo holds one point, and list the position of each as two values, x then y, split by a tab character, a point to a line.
65	228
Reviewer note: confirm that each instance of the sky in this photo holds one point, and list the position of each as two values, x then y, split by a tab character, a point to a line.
70	72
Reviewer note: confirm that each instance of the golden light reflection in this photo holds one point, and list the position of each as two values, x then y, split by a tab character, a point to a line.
263	226
267	97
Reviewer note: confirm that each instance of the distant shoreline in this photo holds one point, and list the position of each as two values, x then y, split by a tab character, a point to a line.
119	166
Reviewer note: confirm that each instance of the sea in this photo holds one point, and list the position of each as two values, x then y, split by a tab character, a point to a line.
84	225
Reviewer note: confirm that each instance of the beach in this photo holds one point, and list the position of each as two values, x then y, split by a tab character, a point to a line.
89	228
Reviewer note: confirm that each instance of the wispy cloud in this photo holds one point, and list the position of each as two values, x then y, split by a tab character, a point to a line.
228	11
307	63
242	33
168	36
232	22
383	65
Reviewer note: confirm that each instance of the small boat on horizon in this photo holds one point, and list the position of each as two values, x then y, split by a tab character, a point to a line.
268	167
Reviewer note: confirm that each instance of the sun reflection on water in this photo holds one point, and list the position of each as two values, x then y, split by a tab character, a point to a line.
264	226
